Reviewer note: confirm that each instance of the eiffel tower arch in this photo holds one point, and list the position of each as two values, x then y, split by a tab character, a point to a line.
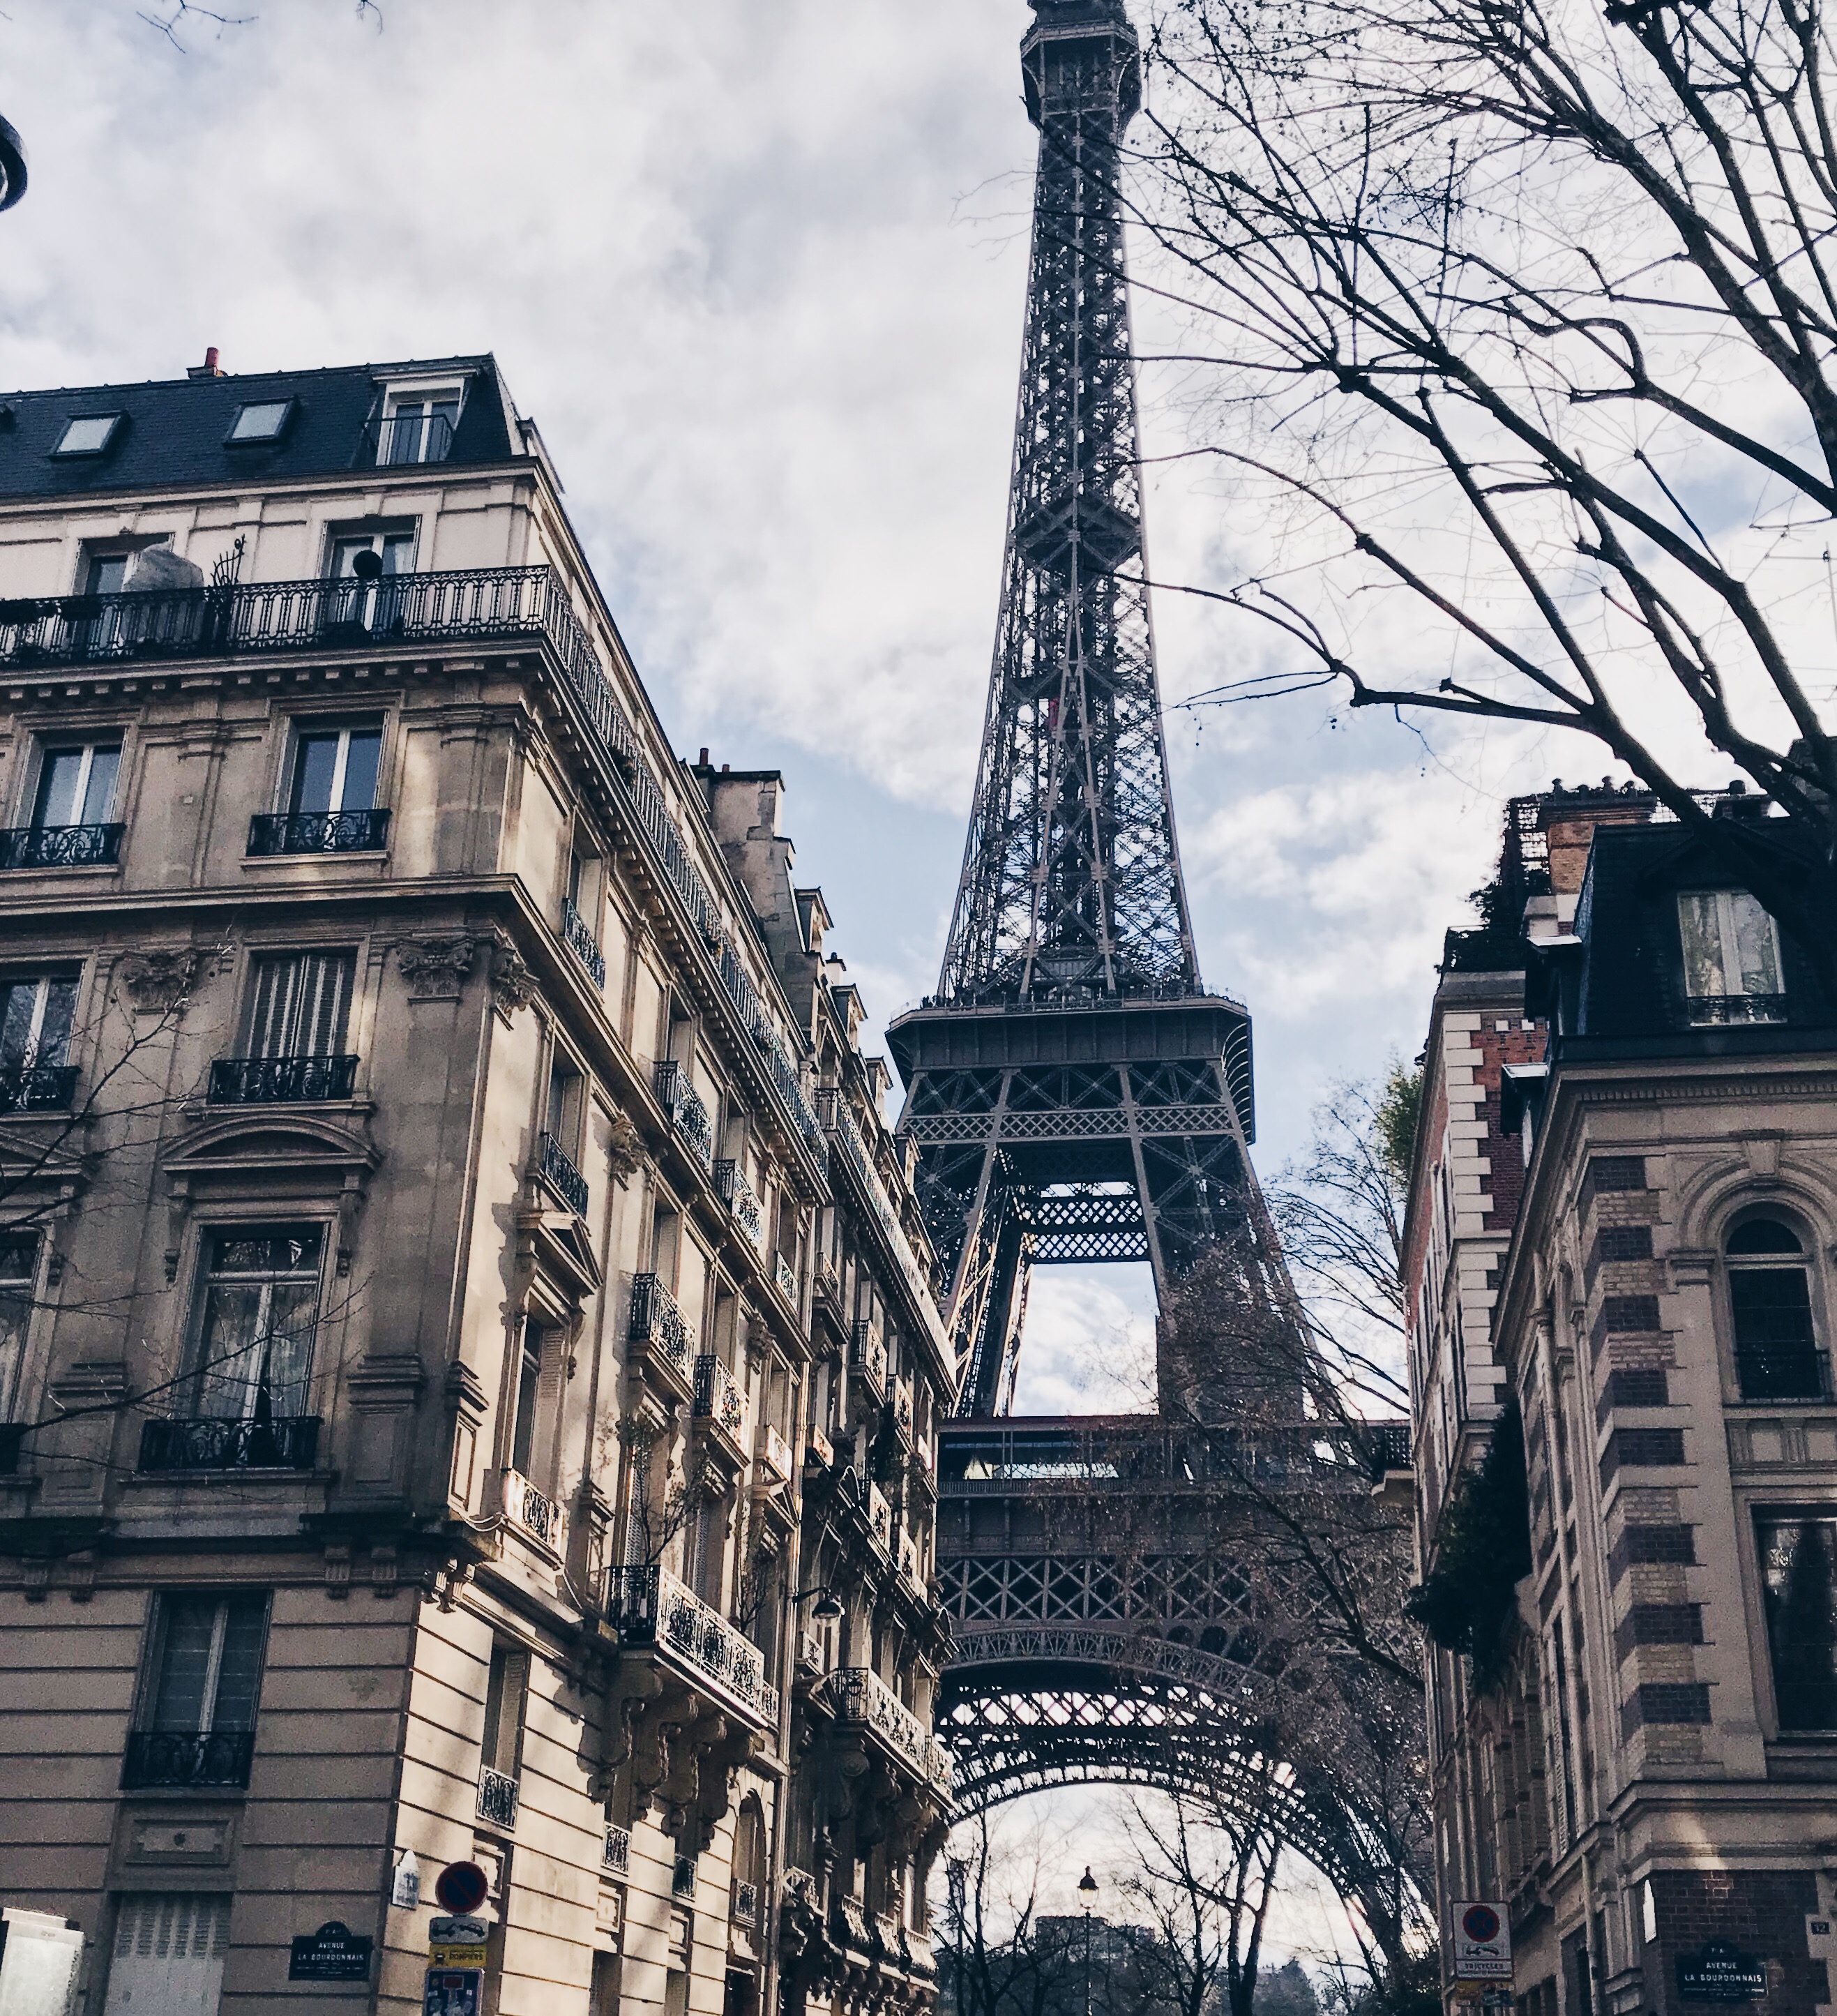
1076	1094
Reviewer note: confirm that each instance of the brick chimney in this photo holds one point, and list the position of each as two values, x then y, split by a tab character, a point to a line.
209	368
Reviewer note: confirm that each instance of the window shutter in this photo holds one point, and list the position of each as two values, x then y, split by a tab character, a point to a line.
301	1004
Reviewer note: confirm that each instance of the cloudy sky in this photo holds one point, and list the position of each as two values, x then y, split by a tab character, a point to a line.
756	267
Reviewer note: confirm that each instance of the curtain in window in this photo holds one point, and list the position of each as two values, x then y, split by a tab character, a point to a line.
302	1001
261	1300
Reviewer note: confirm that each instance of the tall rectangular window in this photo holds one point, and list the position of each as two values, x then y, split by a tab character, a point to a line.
300	1004
208	1675
526	1444
19	1260
334	769
260	1308
35	1020
393	545
1732	956
419	426
77	786
1799	1571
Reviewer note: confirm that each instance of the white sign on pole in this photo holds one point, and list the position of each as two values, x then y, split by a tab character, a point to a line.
1482	1941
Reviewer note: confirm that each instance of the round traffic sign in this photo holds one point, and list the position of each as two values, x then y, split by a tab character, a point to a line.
461	1886
1480	1922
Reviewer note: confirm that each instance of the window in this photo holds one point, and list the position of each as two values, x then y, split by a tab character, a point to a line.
1777	1355
89	434
419	426
197	1723
299	1003
562	1109
18	1262
263	421
334	769
35	1019
500	1749
394	546
76	786
260	1308
168	1955
1731	958
1799	1570
525	1449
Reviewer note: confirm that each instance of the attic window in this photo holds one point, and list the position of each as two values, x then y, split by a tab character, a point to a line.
264	420
1731	958
92	435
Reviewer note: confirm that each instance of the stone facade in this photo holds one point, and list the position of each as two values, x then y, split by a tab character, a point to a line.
464	1325
1651	1771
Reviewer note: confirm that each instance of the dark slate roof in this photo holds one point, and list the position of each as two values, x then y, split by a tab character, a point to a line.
174	429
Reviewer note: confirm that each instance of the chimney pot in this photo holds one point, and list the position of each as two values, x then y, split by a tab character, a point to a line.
209	368
703	758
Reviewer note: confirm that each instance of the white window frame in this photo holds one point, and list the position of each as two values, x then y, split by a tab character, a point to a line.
307	728
424	392
115	745
1729	944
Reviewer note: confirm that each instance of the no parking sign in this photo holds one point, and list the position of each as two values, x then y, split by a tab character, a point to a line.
1482	1941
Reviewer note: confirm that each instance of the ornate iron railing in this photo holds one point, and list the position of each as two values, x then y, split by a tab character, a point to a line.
1708	1010
860	1164
902	1407
556	1166
682	1878
775	1453
736	1194
768	1703
497	1797
534	1511
718	1399
157	1758
60	846
867	1355
655	1320
404	440
785	1275
616	1855
880	1519
281	1080
582	943
651	1606
859	1698
746	1904
364	832
285	1441
37	1088
688	1115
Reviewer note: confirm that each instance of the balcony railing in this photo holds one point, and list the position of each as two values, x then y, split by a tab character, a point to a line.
746	1905
60	846
821	1447
860	1166
497	1797
406	438
1387	1445
880	1519
682	1878
285	1441
650	1606
785	1275
736	1194
717	1398
533	1511
281	1080
556	1166
688	1115
37	1088
319	833
156	1758
909	1560
902	1408
617	1856
1794	1374
867	1355
774	1454
940	1767
859	1698
581	942
657	1321
1708	1010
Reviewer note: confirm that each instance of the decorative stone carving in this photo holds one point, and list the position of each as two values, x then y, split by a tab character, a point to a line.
513	986
624	1149
158	983
436	966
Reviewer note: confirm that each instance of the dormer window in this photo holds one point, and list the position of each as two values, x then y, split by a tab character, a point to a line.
417	425
92	434
1731	958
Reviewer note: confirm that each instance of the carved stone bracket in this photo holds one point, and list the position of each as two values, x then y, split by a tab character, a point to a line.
436	966
625	1155
160	983
513	985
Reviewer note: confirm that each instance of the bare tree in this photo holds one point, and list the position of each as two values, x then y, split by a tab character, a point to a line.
1206	1881
1517	321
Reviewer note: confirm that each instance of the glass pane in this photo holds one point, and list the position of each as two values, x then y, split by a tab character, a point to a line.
108	574
1755	947
229	1363
87	437
15	1316
404	432
264	1253
58	783
345	551
286	1384
18	1008
1772	1308
360	759
1702	945
99	797
190	1624
529	1386
260	422
239	1675
315	763
1797	1557
398	550
54	1027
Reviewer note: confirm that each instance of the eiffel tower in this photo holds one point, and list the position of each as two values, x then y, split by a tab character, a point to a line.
1075	1093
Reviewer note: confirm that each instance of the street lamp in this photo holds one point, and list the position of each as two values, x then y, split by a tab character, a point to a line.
1088	1890
829	1605
13	167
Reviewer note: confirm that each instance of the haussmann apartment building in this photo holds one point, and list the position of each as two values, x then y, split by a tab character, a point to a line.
468	1362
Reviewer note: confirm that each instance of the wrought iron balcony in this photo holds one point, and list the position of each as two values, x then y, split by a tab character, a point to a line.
37	1088
855	1159
1793	1372
404	439
617	1856
157	1759
60	846
651	1606
736	1194
1388	1446
880	1519
902	1409
859	1698
281	1080
657	1321
718	1399
682	1878
555	1167
533	1511
746	1905
1709	1010
319	833
785	1275
497	1797
285	1441
581	942
867	1355
688	1115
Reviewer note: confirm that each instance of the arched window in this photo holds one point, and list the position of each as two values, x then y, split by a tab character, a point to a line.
1777	1355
